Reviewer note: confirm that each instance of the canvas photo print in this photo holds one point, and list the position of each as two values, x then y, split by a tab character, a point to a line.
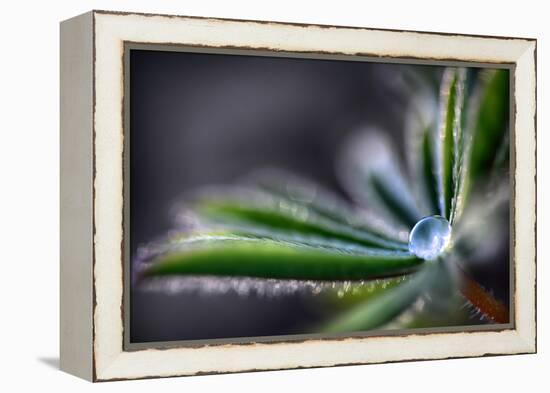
275	197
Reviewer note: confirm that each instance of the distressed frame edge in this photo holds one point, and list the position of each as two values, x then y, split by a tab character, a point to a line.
526	172
76	196
524	338
305	25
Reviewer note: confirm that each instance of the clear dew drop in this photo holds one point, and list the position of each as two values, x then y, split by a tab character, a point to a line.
430	237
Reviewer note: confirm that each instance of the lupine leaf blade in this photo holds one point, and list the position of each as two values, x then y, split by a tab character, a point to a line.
263	258
429	179
307	194
286	216
486	142
372	174
383	308
449	138
490	125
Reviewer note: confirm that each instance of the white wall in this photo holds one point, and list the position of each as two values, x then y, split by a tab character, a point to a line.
29	193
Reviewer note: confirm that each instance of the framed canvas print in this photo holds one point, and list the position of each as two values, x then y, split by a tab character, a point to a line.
245	195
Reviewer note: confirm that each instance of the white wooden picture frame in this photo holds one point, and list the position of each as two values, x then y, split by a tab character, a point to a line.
93	194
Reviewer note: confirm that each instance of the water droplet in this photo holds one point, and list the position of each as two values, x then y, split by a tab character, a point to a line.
430	237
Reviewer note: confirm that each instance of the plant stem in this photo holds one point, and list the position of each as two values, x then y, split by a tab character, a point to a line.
482	299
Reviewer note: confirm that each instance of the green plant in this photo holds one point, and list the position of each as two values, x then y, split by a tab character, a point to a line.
402	250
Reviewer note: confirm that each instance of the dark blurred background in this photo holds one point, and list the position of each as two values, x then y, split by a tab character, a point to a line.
203	119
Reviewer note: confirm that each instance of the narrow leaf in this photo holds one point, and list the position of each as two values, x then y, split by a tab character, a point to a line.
491	120
371	172
307	194
353	293
482	231
285	216
382	309
486	140
420	123
428	179
253	257
440	304
449	138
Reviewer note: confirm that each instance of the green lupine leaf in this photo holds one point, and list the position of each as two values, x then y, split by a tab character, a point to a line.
320	201
383	308
284	215
486	142
483	226
373	176
487	128
460	144
440	304
429	179
353	293
457	311
420	123
393	201
491	121
303	192
449	137
265	258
